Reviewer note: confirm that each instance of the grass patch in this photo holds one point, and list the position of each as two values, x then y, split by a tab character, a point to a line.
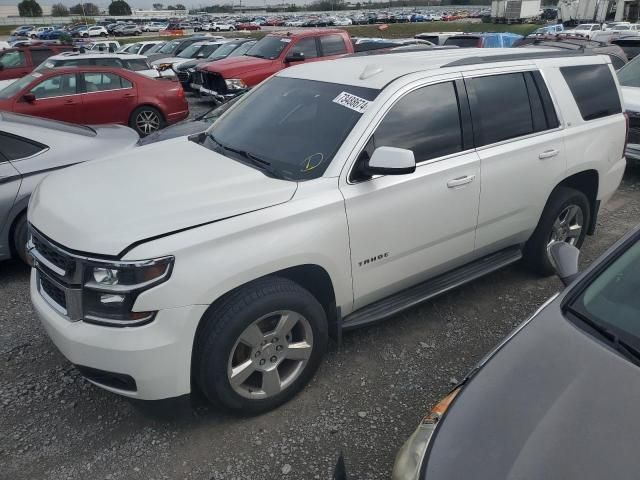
6	29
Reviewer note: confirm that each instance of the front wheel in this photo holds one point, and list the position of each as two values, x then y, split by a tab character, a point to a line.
20	237
260	345
102	34
565	218
146	120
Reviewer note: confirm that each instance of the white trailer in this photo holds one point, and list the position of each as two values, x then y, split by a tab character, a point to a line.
514	11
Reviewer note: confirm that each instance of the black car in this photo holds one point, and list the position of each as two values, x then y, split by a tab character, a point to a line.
184	71
174	47
558	398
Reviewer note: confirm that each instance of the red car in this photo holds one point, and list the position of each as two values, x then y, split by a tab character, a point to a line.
247	26
17	62
98	95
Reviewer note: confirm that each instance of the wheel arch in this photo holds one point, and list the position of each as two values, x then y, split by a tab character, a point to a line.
587	182
147	104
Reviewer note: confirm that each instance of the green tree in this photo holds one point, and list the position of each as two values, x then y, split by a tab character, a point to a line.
59	10
29	8
171	7
158	6
85	9
119	7
179	6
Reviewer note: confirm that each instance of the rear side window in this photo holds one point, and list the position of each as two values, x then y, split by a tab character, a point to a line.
39	56
426	121
463	42
100	82
137	65
307	46
15	148
509	106
332	45
593	89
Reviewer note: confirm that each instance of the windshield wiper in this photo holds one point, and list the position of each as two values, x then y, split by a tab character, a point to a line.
256	161
628	351
256	55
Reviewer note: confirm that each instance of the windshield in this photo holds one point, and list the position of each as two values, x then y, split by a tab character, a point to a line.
190	51
170	47
612	299
224	50
629	75
18	85
269	47
293	126
155	48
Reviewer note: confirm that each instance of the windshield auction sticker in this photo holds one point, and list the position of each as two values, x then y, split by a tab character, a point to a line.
351	101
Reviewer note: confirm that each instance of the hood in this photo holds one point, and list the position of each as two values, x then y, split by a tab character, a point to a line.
230	67
150	191
193	63
171	60
187	127
554	402
631	98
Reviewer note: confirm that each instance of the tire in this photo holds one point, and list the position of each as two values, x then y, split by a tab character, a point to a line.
562	203
144	115
20	236
265	304
217	29
85	35
102	34
231	29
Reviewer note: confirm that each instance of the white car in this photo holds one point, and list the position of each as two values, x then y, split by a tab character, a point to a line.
138	48
107	46
585	30
629	77
154	27
220	27
342	22
311	207
95	31
135	63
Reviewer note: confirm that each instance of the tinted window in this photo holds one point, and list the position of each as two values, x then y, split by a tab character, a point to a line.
12	59
57	86
39	56
136	65
629	76
146	47
426	121
463	42
332	45
307	46
107	62
501	109
15	148
98	82
617	62
594	90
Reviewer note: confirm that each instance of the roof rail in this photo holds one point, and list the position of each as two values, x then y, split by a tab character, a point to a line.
515	57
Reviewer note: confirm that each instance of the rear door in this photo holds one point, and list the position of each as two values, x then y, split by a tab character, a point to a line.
332	46
519	140
57	98
39	55
107	98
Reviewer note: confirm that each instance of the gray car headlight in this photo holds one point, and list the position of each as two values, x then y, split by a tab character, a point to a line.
235	84
410	457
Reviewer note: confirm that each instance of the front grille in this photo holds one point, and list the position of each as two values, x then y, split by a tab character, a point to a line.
214	81
634	135
183	76
54	292
197	78
53	255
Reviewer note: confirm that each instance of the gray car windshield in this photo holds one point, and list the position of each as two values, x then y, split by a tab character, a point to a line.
13	88
629	75
612	299
290	128
170	47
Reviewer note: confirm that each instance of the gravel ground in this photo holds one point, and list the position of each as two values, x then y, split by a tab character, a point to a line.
365	400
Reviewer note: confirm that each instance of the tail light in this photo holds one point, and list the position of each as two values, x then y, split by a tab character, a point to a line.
626	133
181	95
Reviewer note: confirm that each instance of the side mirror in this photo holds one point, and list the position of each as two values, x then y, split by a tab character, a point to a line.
29	97
390	161
200	55
294	57
564	258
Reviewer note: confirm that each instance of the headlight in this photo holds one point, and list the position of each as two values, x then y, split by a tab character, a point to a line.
111	289
409	459
165	66
235	84
191	70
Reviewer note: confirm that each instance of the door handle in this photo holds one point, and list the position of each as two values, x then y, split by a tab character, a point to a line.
70	102
128	95
548	154
458	182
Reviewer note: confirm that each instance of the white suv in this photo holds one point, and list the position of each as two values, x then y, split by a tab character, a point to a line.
353	189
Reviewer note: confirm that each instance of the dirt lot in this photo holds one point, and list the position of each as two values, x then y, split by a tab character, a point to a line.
366	399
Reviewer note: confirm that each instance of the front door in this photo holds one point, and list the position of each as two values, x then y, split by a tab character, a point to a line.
404	229
14	64
56	98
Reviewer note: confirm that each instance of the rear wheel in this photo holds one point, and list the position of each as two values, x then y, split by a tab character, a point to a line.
565	219
146	120
260	346
20	236
102	34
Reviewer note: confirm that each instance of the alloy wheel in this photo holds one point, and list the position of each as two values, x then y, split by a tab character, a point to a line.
568	226
270	354
147	122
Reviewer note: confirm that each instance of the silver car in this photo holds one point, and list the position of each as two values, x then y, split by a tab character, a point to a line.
30	148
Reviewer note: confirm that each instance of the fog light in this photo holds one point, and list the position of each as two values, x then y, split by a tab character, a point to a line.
105	276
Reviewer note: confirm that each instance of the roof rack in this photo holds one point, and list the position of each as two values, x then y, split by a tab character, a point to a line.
516	57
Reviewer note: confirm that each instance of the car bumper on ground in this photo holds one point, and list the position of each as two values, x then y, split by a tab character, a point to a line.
156	356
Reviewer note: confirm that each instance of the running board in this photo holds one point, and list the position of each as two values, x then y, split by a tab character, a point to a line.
424	291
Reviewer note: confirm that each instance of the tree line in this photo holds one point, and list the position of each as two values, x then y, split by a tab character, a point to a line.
31	8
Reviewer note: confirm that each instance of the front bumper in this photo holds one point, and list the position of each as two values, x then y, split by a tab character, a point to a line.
157	355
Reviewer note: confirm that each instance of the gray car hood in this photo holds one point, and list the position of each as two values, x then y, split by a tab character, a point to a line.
105	205
553	403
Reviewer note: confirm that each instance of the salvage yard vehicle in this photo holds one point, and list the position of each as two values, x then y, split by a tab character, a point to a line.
536	390
139	48
629	78
229	77
31	148
198	50
135	63
174	47
331	196
97	95
18	62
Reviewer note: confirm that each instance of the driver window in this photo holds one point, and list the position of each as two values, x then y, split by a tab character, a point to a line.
307	46
58	86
